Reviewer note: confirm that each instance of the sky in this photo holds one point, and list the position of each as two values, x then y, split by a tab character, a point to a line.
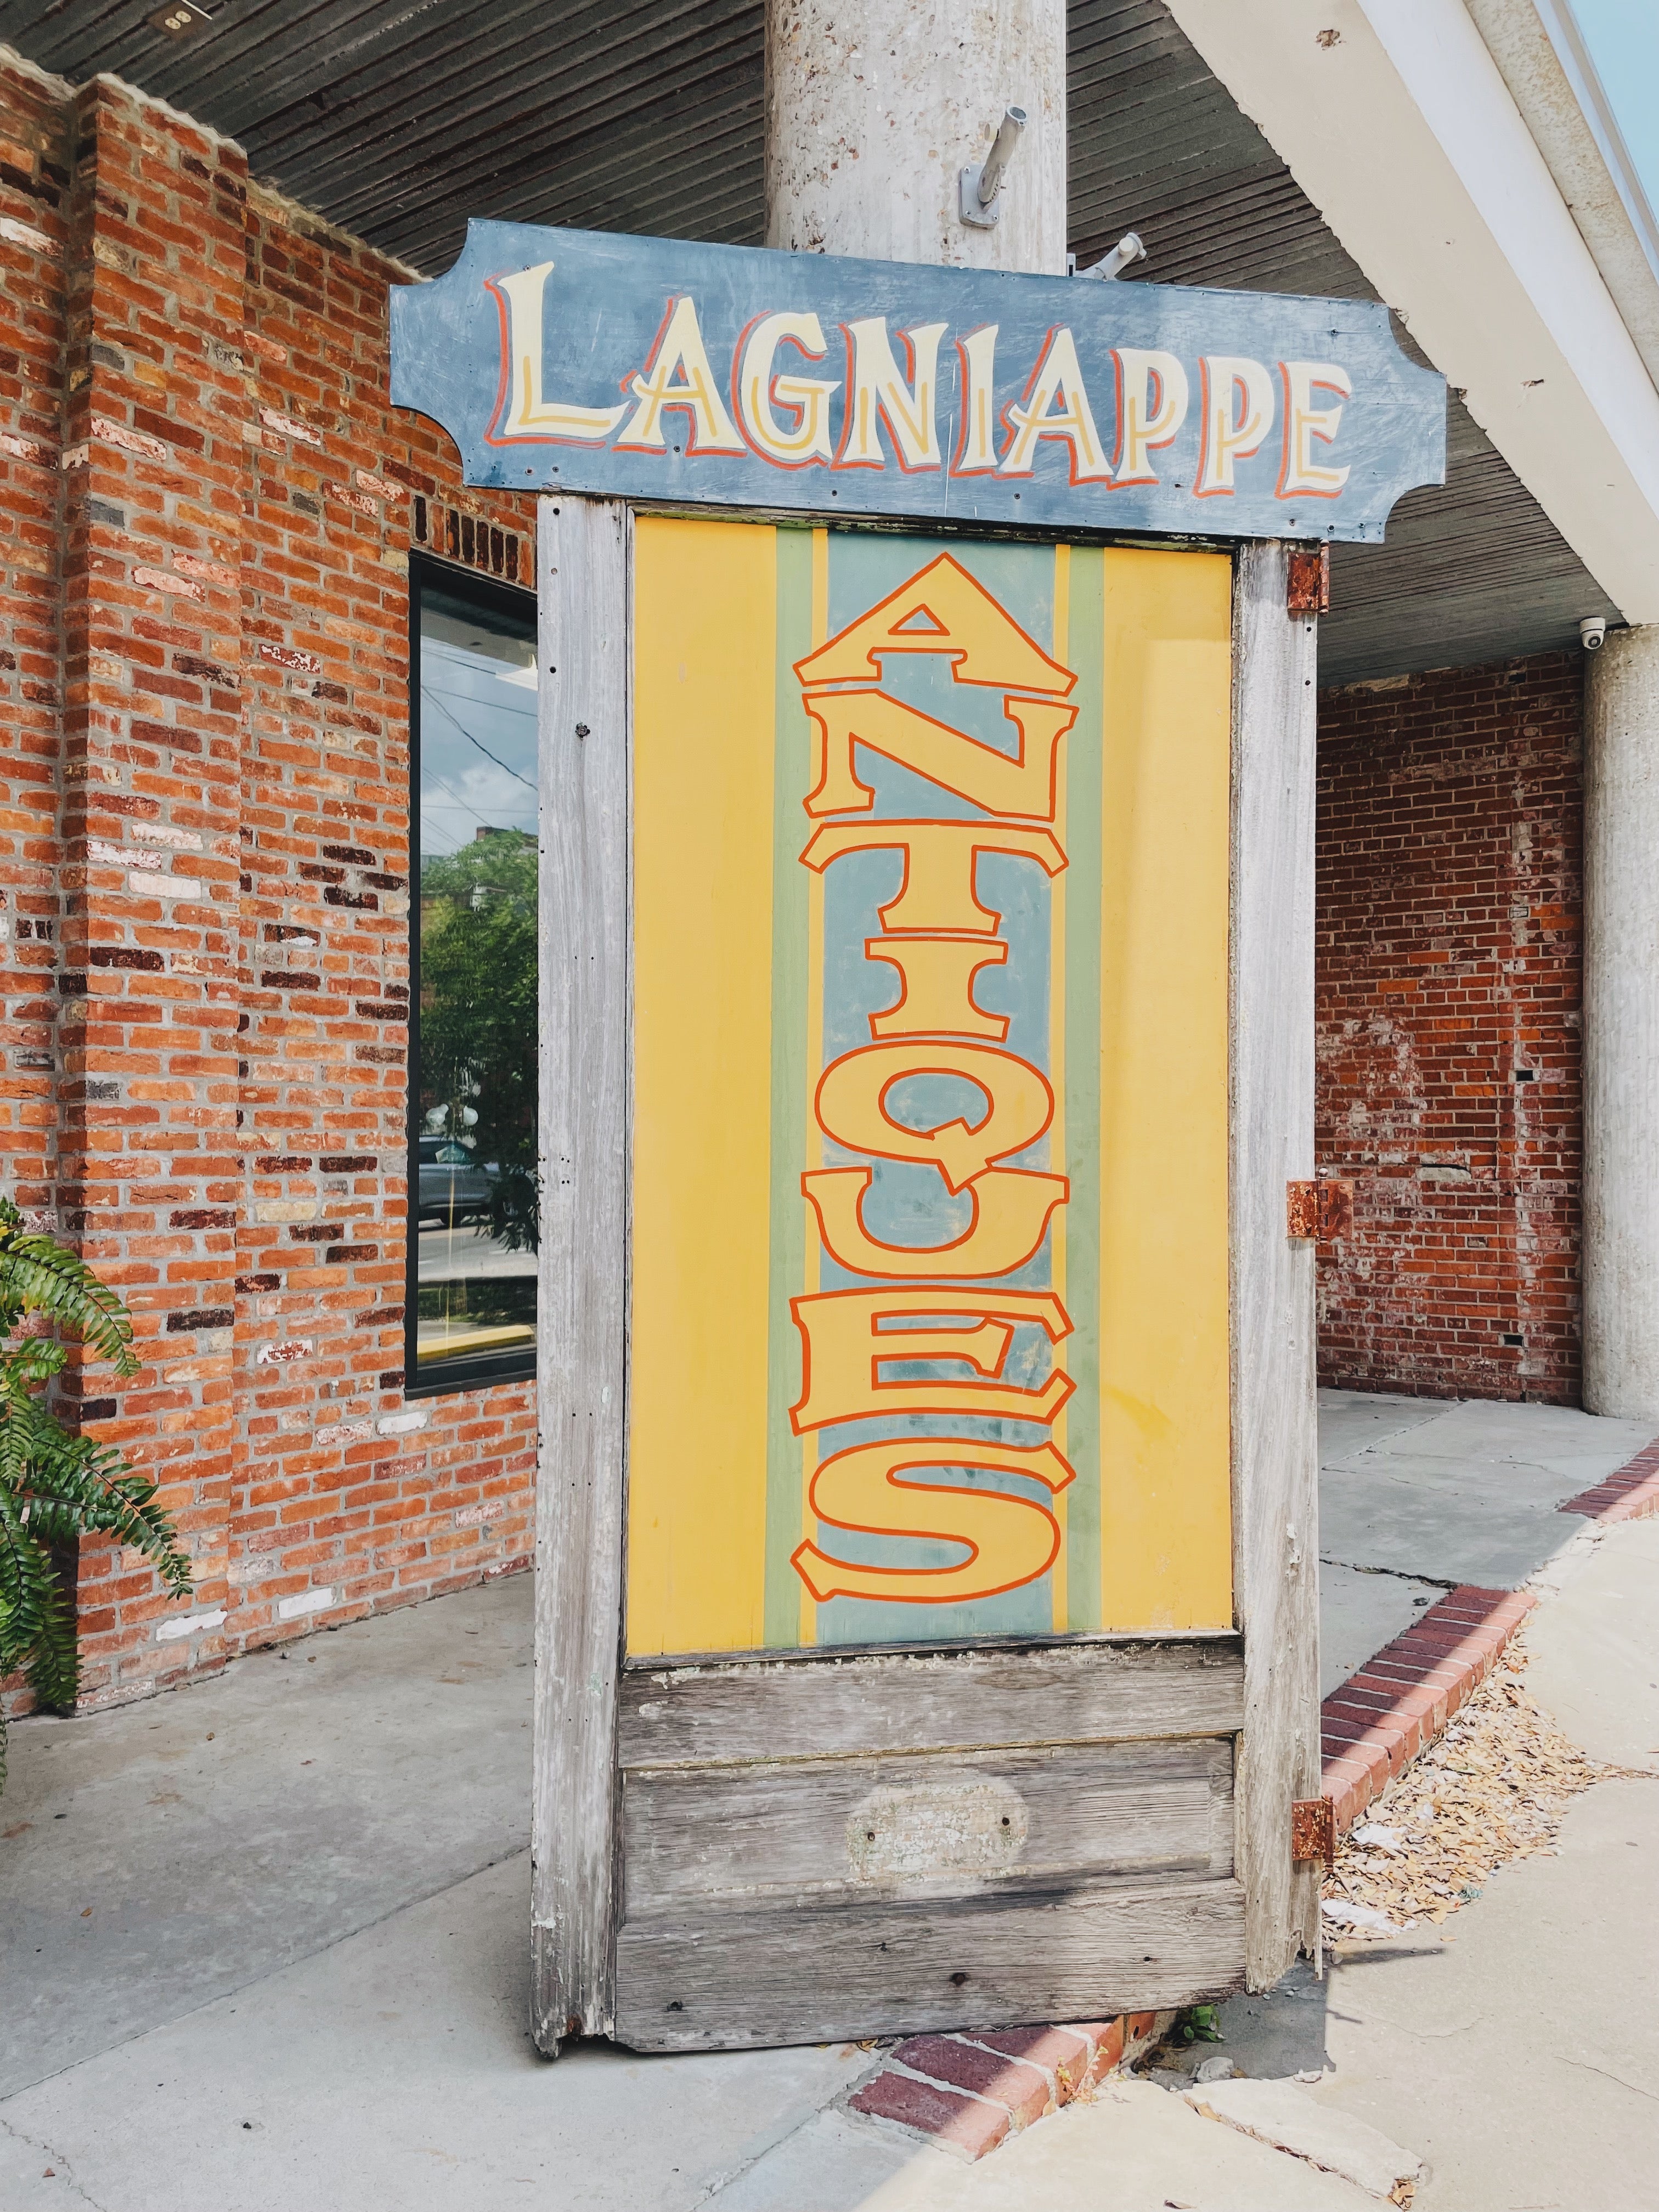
1623	38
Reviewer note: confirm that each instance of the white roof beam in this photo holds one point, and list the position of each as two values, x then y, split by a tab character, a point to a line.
1394	119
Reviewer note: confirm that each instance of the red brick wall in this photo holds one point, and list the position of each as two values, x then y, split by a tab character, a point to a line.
199	371
36	156
1449	967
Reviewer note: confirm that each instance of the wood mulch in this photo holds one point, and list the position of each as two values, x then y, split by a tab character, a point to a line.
1493	1789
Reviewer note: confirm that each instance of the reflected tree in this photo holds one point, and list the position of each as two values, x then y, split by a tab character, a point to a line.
478	1022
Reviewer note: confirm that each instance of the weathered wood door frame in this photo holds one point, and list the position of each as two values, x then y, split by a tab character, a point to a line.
584	570
1275	1446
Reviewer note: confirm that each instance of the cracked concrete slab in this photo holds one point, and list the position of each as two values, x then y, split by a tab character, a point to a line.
1457	1492
832	2163
1602	1624
1521	2057
289	1992
396	2069
1356	1420
1282	2113
34	2178
1540	2006
154	1857
1134	2150
1361	1611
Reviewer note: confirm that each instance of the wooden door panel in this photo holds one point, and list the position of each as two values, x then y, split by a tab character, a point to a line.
950	1824
1083	1950
768	1808
828	1707
818	1847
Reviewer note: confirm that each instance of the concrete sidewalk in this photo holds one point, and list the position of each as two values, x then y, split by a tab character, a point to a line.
267	1934
1417	1495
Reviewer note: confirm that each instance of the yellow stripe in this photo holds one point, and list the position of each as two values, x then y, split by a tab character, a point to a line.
705	601
1166	1520
1062	586
814	1152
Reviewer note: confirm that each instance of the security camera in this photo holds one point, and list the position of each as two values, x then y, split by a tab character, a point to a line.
1592	632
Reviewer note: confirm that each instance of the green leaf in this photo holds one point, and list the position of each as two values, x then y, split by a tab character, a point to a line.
56	1486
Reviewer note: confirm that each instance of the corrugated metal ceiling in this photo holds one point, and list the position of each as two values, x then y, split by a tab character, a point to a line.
1472	571
398	118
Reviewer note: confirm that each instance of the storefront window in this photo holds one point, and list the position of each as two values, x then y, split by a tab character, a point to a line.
473	1093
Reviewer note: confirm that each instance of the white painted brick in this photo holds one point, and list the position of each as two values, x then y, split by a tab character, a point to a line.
401	1425
280	1355
313	1601
122	856
175	887
285	1209
193	1623
24	235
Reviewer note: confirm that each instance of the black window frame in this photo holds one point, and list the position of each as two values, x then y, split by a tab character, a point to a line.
489	1369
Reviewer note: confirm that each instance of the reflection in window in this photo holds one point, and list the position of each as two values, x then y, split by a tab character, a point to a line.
472	1175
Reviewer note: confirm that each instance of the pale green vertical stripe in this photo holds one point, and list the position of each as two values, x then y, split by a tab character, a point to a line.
1087	653
788	1260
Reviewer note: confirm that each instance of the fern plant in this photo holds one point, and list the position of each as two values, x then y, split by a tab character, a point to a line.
55	1486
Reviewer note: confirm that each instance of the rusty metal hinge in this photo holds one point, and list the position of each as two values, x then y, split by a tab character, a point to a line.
1313	1829
1322	1209
1308	585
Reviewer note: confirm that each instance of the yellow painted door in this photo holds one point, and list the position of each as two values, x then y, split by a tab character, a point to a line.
928	1350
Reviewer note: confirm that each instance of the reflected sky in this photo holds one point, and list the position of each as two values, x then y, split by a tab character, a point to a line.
478	730
475	1295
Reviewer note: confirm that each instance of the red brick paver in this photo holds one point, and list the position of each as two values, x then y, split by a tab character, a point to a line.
965	2123
1630	1494
1401	1699
1026	2093
969	2090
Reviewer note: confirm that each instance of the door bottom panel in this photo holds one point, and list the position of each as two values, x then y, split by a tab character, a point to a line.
863	1845
720	1979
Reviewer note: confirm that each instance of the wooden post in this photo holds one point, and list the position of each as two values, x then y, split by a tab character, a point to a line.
581	1315
1275	1439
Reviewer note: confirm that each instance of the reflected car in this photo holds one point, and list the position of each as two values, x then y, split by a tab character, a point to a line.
455	1185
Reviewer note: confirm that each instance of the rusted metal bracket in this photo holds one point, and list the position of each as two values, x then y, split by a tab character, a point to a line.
1322	1209
1313	1829
1308	582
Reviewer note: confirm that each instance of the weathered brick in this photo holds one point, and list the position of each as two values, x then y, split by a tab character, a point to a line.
964	2123
1023	2088
1450	914
173	1069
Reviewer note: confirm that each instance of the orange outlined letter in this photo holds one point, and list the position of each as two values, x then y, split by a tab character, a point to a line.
843	1350
851	1105
1010	1539
1012	1207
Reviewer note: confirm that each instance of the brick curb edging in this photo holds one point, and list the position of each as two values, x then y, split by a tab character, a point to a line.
1630	1494
969	2090
1401	1699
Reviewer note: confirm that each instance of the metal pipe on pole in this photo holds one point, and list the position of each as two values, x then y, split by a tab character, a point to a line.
875	107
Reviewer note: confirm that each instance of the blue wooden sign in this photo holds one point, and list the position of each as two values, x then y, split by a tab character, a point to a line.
651	368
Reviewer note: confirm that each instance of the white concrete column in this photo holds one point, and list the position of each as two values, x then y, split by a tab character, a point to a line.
1620	1262
874	106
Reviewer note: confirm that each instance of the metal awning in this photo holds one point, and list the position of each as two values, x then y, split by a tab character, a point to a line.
398	119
